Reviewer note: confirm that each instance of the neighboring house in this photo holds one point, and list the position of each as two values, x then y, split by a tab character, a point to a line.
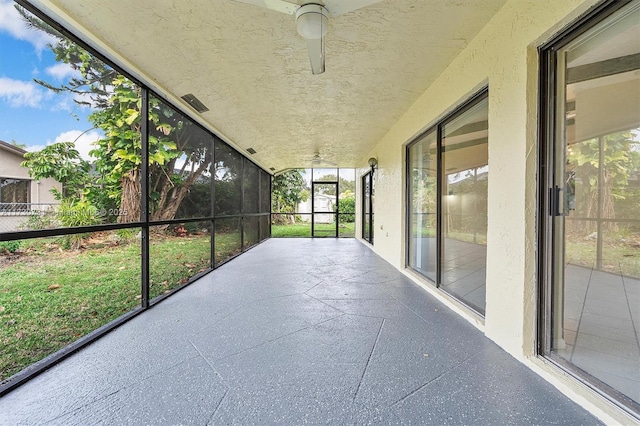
19	194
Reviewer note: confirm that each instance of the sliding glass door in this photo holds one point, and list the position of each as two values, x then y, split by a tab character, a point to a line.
591	292
447	175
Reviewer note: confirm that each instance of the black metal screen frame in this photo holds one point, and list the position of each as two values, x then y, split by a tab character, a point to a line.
144	223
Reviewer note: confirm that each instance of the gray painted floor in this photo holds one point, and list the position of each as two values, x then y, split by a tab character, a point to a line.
293	332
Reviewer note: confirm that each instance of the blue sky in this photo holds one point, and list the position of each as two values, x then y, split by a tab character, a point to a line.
29	113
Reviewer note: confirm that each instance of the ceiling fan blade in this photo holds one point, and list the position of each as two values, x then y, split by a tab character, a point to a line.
339	7
316	54
281	6
277	5
318	161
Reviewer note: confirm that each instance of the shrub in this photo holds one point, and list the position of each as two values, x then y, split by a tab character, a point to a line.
347	208
79	213
72	214
9	246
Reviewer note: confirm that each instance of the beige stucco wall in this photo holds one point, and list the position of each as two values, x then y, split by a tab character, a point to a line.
10	165
41	191
503	57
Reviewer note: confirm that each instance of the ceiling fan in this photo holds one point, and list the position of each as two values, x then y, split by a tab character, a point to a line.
312	20
318	161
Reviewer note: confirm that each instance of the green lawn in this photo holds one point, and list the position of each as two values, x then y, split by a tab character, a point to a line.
50	297
303	229
172	261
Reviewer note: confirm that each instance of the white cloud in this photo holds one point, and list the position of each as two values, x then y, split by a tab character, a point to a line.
35	148
83	141
61	71
12	23
64	104
19	93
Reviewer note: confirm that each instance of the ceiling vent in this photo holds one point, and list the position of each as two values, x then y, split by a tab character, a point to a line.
251	151
195	103
273	169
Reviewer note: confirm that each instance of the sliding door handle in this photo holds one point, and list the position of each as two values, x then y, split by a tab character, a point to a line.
555	198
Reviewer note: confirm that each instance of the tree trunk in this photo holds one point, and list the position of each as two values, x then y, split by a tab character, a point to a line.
608	210
168	208
130	199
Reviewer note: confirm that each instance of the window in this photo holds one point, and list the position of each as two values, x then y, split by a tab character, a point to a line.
14	191
447	175
590	178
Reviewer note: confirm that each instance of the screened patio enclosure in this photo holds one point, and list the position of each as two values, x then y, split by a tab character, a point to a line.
488	151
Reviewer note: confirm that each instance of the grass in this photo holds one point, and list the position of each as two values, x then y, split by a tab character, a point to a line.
50	297
618	256
48	300
172	261
228	244
303	229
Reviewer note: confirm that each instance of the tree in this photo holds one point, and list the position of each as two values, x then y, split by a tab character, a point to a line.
228	180
287	191
344	185
117	107
62	162
621	158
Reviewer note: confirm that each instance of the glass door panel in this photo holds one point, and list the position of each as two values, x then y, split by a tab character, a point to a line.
595	308
465	174
422	207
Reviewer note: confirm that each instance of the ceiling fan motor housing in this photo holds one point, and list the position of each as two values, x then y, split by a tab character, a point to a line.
312	21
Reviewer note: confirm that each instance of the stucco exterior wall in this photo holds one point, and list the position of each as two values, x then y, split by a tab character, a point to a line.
10	165
41	191
503	57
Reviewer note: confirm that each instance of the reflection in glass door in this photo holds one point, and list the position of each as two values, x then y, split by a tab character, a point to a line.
465	176
423	191
325	208
593	273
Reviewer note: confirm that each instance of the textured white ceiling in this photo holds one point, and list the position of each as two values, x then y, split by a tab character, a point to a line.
249	66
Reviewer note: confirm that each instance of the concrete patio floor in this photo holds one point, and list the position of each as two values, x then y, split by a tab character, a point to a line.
317	331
